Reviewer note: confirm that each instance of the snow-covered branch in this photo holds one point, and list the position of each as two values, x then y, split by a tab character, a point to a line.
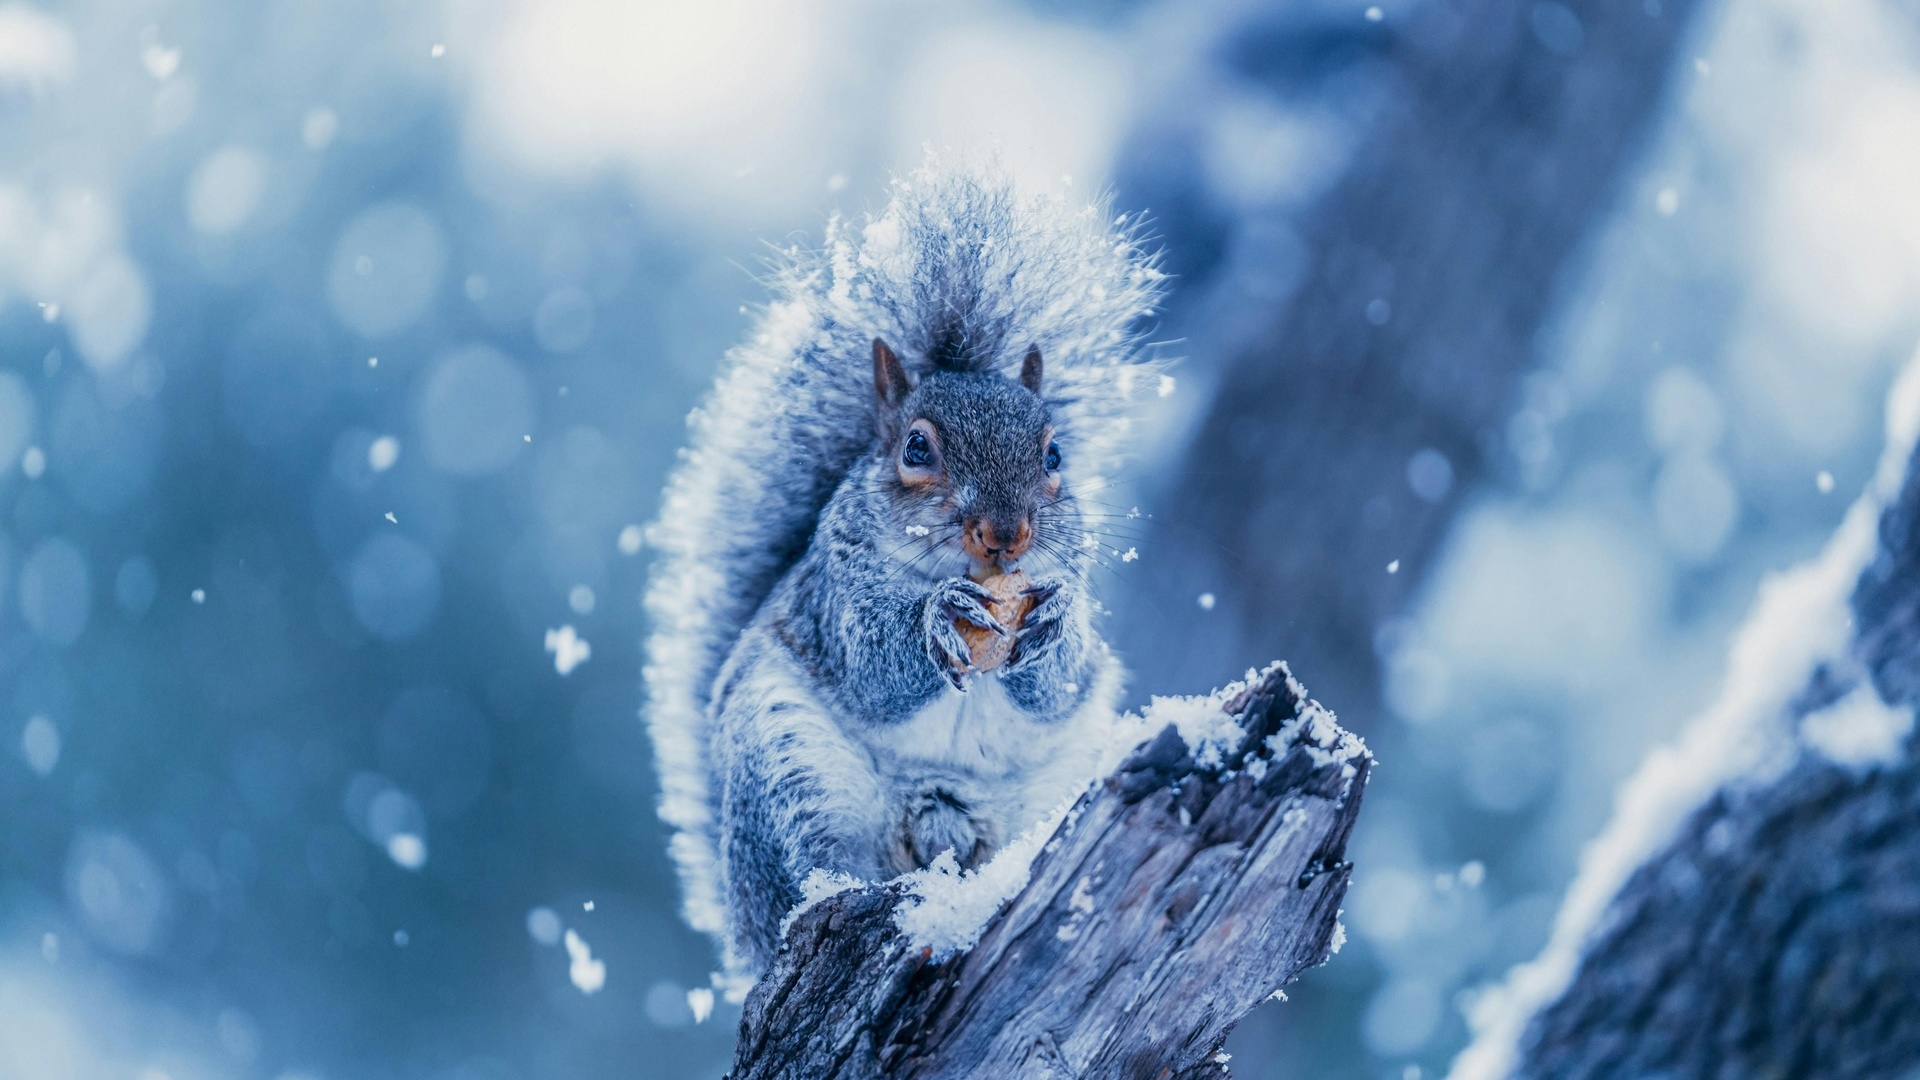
1753	908
1195	881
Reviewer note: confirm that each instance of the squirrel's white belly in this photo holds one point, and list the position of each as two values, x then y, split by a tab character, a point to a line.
978	732
981	747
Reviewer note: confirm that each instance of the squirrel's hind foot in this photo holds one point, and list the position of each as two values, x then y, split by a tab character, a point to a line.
937	821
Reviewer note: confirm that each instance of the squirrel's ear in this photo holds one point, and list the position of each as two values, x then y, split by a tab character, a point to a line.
890	383
1030	370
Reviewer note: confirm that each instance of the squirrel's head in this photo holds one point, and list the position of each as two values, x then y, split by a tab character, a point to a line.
972	451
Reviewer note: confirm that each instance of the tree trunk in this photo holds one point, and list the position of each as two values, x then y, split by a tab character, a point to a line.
1432	265
1174	898
1776	931
1778	937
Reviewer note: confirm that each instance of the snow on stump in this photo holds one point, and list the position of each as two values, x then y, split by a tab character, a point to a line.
1192	883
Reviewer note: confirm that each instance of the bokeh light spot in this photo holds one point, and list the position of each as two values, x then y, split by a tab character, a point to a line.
1402	1016
1683	413
543	926
386	267
667	1005
225	190
38	48
116	891
56	592
408	851
474	412
382	453
395	587
1696	506
319	127
1557	27
40	745
109	313
1430	474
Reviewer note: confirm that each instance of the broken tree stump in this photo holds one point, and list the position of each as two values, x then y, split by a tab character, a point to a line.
1177	894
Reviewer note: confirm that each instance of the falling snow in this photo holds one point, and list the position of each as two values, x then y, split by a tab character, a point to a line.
569	649
588	974
407	850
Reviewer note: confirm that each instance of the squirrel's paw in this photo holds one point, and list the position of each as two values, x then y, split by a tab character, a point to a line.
937	822
956	599
1040	631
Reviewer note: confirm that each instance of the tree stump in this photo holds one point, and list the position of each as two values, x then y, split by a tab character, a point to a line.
1175	896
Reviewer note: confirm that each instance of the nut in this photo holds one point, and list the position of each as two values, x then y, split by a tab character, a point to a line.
1009	607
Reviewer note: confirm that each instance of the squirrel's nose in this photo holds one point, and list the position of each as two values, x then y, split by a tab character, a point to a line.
985	539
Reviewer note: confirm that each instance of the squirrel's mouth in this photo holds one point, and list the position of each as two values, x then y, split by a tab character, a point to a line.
996	544
981	568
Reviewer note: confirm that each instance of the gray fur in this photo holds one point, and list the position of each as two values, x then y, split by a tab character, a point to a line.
804	711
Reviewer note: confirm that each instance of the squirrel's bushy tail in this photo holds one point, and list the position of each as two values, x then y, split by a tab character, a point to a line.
959	271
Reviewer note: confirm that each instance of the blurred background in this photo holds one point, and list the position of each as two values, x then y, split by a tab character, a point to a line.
344	346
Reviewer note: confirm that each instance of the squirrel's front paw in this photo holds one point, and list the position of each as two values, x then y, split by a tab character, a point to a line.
938	822
953	601
1040	631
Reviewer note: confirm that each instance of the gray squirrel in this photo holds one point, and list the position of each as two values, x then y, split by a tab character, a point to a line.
921	402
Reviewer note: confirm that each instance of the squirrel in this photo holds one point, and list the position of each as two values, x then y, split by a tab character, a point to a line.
814	700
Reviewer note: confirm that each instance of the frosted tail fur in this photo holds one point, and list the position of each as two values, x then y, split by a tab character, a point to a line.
959	271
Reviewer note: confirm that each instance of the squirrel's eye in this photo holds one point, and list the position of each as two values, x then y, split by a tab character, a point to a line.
1053	457
918	453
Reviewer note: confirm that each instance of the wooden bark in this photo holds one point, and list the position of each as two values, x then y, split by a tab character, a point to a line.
1779	934
1431	267
1173	899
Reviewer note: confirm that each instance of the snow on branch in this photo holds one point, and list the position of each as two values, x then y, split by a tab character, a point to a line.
1786	814
1192	883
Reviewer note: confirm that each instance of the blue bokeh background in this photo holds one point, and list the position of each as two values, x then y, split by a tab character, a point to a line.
344	347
